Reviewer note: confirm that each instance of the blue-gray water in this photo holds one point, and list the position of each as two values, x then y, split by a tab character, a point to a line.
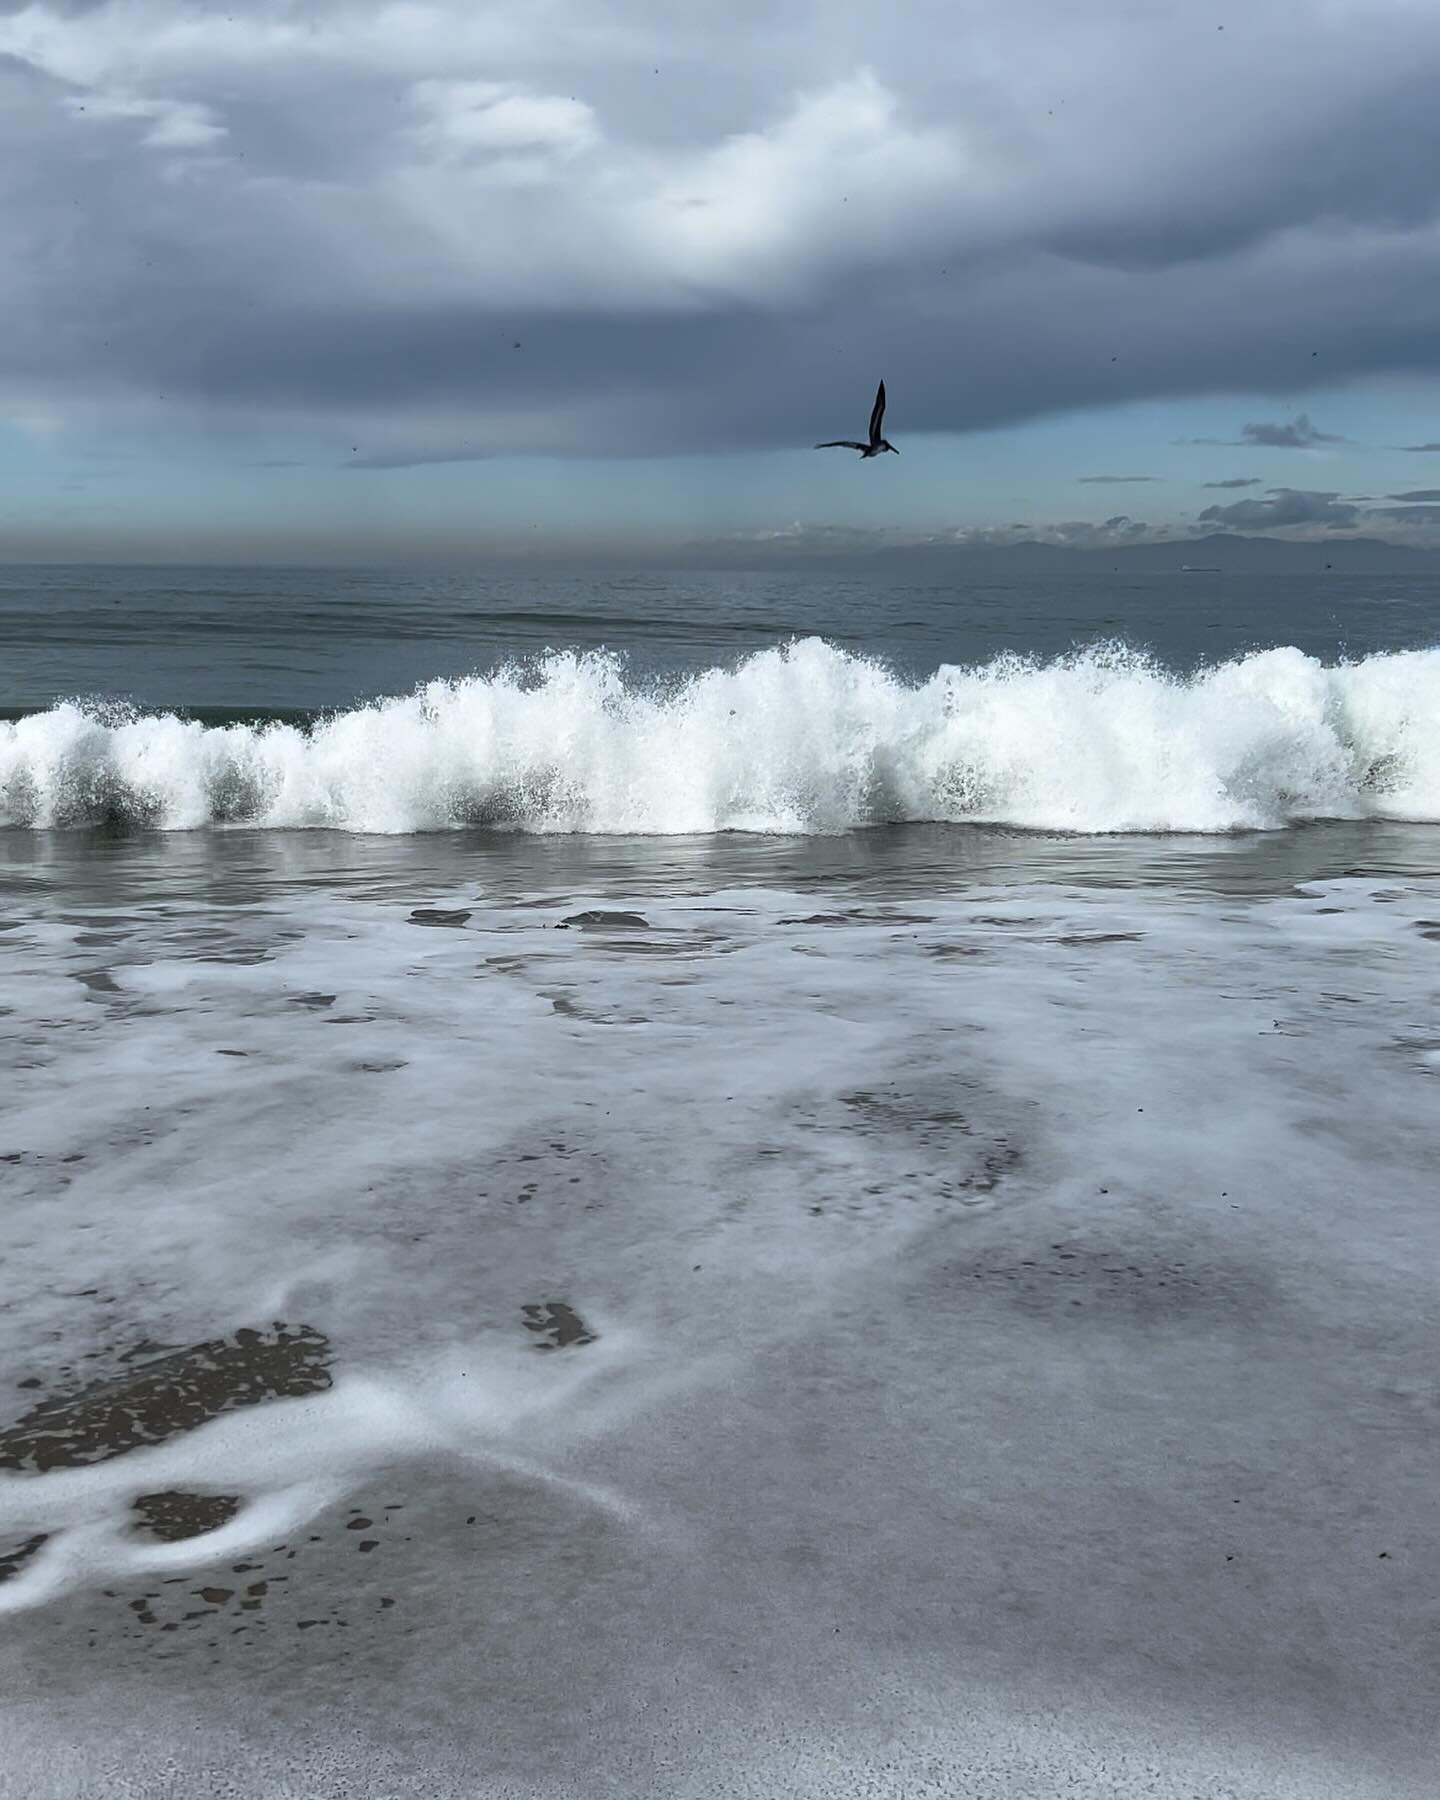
272	640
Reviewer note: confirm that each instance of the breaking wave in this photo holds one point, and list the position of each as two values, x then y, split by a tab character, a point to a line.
803	738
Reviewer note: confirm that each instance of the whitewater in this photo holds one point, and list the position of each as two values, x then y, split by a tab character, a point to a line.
799	738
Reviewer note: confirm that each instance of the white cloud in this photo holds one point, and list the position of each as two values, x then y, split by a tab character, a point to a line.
843	178
172	124
466	117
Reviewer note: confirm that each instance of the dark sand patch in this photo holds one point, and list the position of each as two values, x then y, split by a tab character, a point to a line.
571	1009
862	918
559	1326
1078	940
98	981
604	921
160	1399
930	1124
900	1110
668	946
173	1516
1073	1279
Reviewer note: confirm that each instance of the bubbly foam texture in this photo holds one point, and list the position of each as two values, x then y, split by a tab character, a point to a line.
448	1135
1005	1288
805	738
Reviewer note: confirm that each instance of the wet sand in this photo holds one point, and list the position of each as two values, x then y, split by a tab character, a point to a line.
981	1350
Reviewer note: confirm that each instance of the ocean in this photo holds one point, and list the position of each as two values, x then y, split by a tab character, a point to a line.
718	1185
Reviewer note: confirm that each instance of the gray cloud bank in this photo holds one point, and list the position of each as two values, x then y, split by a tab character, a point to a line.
705	229
1283	507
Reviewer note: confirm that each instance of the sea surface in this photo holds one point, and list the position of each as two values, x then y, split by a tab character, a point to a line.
707	1185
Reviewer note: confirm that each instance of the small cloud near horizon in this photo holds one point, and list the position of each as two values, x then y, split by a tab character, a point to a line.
1285	506
1300	434
1235	481
1420	496
1421	449
1074	534
1113	480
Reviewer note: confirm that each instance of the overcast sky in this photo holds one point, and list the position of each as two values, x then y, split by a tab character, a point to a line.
344	276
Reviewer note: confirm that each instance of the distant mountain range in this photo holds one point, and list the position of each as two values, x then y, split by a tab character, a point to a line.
840	550
1227	552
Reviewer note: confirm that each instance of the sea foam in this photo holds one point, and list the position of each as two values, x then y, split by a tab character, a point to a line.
803	738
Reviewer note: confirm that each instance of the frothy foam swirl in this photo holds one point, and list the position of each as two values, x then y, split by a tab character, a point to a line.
802	738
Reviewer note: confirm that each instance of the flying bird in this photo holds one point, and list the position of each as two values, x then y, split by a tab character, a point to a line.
877	443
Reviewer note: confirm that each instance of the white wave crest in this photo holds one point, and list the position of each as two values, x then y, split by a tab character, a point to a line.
804	738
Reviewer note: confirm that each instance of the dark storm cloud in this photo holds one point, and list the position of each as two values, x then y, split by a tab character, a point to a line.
1235	481
1113	480
346	224
1281	507
1415	515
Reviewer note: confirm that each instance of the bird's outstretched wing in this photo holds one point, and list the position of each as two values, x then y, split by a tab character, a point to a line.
841	444
877	414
